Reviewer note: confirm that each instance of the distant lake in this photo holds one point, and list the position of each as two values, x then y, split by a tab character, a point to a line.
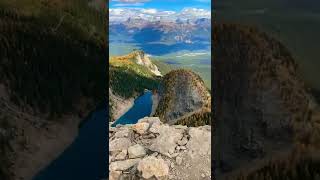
86	157
142	107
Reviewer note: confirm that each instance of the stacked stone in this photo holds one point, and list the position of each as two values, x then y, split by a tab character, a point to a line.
153	150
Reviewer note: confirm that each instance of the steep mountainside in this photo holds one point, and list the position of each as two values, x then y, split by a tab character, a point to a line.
262	109
184	99
129	76
163	67
46	85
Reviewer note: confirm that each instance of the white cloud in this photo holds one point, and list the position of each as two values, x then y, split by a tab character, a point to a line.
116	11
122	14
149	11
195	12
169	12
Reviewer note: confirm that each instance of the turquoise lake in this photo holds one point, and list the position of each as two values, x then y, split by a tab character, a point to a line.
142	107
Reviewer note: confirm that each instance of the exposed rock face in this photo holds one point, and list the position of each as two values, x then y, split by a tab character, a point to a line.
161	152
143	59
184	99
118	105
261	104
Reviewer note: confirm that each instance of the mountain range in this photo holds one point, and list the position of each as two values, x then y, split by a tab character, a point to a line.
140	30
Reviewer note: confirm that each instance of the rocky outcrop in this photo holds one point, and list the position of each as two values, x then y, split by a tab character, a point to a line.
261	105
143	59
155	103
184	99
151	149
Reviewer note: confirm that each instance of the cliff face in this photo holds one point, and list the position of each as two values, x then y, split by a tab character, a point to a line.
144	60
184	99
153	150
46	89
261	106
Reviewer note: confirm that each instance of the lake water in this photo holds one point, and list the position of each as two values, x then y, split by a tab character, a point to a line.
142	107
86	157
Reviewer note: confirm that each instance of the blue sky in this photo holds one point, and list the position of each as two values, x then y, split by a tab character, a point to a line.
172	5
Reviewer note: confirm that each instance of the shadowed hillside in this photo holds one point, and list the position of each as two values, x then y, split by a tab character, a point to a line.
51	67
263	111
43	69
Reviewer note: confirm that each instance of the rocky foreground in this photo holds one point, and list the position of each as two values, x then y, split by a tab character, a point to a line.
153	150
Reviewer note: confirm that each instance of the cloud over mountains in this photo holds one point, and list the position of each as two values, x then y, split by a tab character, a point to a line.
122	14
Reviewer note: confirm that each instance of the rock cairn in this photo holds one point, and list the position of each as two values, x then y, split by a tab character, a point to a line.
153	150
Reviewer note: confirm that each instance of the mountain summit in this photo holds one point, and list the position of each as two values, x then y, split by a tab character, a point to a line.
184	99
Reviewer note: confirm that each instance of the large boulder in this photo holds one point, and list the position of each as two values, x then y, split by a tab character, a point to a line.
136	151
119	144
200	141
153	167
167	141
123	165
140	128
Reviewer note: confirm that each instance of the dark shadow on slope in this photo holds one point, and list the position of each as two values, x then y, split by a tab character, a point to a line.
86	157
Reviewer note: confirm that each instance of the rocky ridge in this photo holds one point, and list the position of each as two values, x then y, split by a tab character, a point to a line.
143	59
184	99
153	150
